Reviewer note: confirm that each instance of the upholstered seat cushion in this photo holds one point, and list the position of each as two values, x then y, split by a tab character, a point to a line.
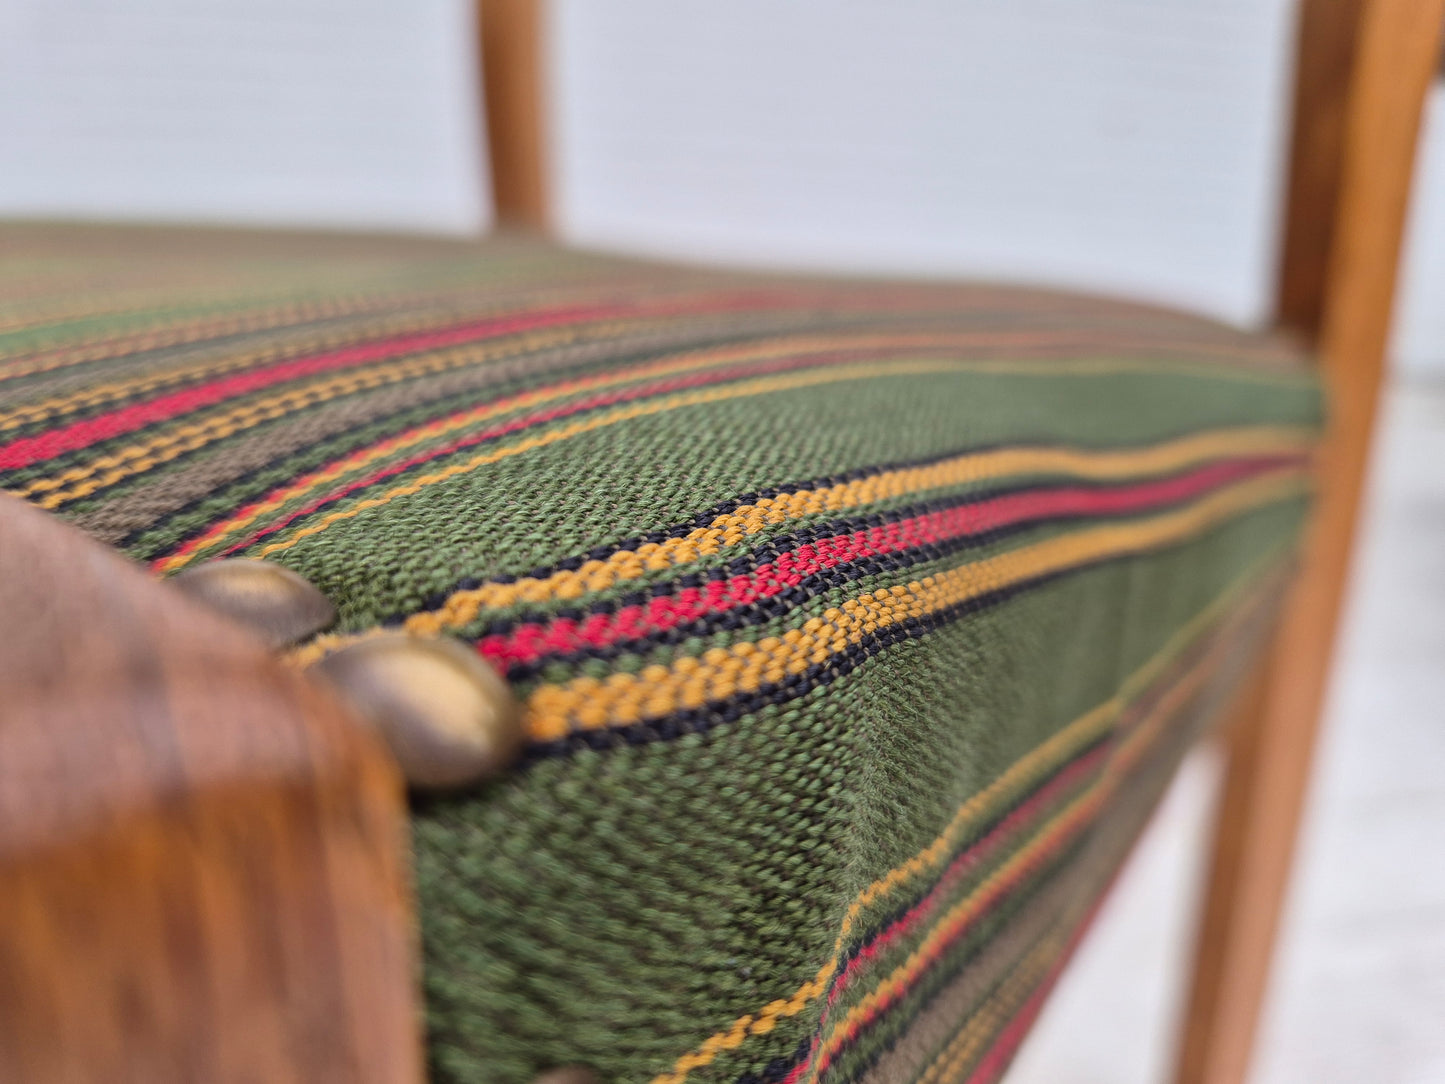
857	625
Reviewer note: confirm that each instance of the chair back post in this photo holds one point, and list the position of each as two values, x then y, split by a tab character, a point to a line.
1324	56
513	85
1365	68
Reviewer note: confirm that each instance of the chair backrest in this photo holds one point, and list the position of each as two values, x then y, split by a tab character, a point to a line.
513	94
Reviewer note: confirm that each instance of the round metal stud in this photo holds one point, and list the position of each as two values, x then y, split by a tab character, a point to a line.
572	1074
267	598
448	717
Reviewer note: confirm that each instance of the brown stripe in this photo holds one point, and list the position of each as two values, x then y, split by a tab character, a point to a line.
1065	903
1110	843
955	1004
261	346
393	312
394	315
145	503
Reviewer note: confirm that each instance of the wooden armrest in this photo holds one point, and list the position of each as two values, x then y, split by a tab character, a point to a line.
203	856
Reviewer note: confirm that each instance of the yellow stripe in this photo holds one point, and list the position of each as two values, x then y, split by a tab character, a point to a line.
812	378
266	313
674	365
1071	818
1045	840
385	323
138	458
621	699
329	387
1038	761
731	528
789	382
412	318
972	1039
184	333
56	343
134	302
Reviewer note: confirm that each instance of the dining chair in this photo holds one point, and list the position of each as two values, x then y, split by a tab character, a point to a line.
472	661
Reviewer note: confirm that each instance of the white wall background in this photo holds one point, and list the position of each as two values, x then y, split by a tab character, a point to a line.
340	113
1131	146
1418	347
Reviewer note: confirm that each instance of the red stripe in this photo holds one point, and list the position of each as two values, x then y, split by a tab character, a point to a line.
1141	707
981	850
531	642
32	449
1008	1041
41	446
851	1032
660	387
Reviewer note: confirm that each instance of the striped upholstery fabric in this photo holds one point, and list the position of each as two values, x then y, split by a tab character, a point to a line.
858	626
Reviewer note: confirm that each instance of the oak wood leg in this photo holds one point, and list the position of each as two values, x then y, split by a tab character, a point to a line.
1270	749
1237	927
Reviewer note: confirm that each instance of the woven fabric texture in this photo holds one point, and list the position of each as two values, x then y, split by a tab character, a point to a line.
857	624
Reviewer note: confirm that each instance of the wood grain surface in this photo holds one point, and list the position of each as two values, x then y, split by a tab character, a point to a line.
514	95
1324	59
1396	48
203	856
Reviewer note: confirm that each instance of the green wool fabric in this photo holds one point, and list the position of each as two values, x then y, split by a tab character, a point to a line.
857	625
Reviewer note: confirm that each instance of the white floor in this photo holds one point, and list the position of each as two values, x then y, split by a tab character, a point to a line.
1359	990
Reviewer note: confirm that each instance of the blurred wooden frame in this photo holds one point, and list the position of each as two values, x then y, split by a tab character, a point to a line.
1363	68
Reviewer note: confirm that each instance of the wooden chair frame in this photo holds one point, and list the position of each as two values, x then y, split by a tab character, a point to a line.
203	869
